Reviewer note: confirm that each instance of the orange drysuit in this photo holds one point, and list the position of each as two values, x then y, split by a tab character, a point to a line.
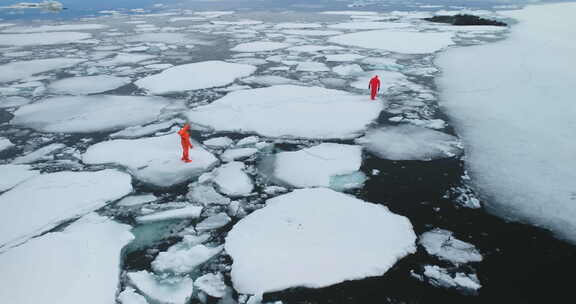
374	86
186	144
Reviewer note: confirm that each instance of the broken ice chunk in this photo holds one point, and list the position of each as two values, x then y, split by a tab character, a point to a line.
441	243
183	257
237	154
213	222
162	289
218	142
174	214
212	284
232	180
206	195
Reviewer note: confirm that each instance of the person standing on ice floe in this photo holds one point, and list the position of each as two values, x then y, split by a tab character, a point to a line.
374	86
186	144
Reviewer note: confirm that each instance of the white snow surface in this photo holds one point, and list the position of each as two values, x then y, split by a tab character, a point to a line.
24	69
213	222
516	113
49	38
236	154
441	277
218	142
408	142
5	144
129	296
85	114
12	175
212	284
443	244
135	200
184	257
298	240
259	46
406	42
231	179
39	154
87	84
42	202
274	111
174	214
157	161
77	265
164	290
315	166
195	76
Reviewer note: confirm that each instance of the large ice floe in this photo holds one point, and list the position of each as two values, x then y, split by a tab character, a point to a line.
289	111
87	84
319	166
157	161
23	69
515	113
80	264
408	142
43	38
12	175
84	114
298	240
195	76
42	202
407	42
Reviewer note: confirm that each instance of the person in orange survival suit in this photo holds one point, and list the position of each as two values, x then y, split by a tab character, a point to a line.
186	144
374	86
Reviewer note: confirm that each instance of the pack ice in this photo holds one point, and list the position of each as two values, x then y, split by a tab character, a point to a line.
157	160
516	113
408	142
42	202
195	76
78	265
287	244
43	38
289	111
85	114
407	42
12	175
259	46
87	84
24	69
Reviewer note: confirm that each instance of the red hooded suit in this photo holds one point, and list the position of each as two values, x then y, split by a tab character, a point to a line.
186	144
374	86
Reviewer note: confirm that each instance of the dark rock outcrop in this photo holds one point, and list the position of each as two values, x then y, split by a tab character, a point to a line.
465	20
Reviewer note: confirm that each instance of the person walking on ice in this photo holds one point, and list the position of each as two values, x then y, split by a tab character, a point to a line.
374	86
186	144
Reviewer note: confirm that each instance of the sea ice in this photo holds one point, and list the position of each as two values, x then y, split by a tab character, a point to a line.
311	32
347	69
141	131
218	142
231	180
408	142
515	113
212	284
313	48
388	79
5	144
237	154
85	114
13	175
195	76
441	243
135	200
24	69
55	28
397	41
269	80
174	214
205	195
39	154
183	257
129	296
125	58
343	57
213	222
55	198
13	101
157	161
43	38
287	244
310	66
368	25
162	289
259	46
295	25
87	85
77	265
315	166
442	278
273	112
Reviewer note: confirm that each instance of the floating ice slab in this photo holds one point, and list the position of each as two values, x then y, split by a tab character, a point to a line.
206	195
315	167
125	58
157	161
294	25
168	215
348	69
443	244
313	48
212	284
195	76
296	247
388	79
141	131
236	154
269	80
442	278
129	296
184	257
213	222
43	38
521	152
259	46
311	32
39	154
164	290
408	142
5	144
218	142
231	180
397	41
273	112
135	200
55	28
368	25
13	101
171	38
77	265
23	69
12	175
88	84
309	66
343	57
85	114
55	198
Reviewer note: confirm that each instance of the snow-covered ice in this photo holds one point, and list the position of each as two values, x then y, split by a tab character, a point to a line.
408	142
213	222
297	25
13	101
515	113
195	76
87	84
5	144
343	57
316	166
310	66
184	257
311	32
347	69
237	154
12	175
231	179
141	131
24	69
125	58
274	111
286	244
443	244
259	46
42	202
212	284
85	114
406	42
189	212
314	48
157	161
129	296
162	289
49	38
218	142
441	277
206	195
77	265
388	79
39	154
135	200
368	25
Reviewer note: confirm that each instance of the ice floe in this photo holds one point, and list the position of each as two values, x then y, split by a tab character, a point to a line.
310	66
129	296
218	142
368	25
388	80
213	222
408	142
296	244
205	195
443	244
84	114
406	42
55	28
311	32
5	144
212	284
273	112
55	198
13	101
39	154
316	166
343	57
237	154
87	84
184	257
189	212
24	69
157	161
259	46
441	277
231	179
43	38
135	200
162	289
194	76
78	265
12	175
348	69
